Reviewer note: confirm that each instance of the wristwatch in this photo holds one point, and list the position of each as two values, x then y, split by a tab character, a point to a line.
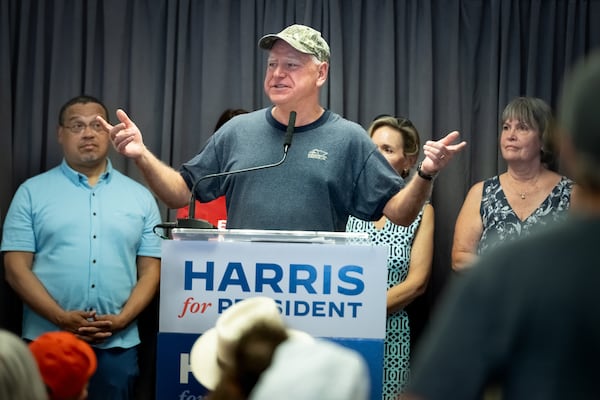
423	175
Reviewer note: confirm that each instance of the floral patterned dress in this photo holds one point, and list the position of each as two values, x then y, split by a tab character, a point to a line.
397	337
501	223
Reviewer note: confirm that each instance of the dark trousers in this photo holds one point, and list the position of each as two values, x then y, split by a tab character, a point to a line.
116	375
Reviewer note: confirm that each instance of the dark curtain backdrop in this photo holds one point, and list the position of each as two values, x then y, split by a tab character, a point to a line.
175	65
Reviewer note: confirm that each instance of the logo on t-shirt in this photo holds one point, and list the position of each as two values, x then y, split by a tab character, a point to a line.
317	154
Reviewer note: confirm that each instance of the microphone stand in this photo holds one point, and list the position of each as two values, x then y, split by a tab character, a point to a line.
193	223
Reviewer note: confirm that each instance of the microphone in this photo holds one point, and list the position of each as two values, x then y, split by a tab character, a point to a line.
287	141
193	223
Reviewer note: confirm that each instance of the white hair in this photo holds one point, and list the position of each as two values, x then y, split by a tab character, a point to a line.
19	374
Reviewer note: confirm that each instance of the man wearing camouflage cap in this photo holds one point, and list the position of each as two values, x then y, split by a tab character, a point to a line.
333	169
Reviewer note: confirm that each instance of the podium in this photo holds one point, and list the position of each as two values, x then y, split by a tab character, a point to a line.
331	285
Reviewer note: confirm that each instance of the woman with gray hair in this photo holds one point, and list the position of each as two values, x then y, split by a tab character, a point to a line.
528	195
19	375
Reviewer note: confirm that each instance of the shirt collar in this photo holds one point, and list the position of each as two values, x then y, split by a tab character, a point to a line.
77	177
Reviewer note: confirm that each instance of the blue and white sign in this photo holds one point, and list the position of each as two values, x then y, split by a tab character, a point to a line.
328	290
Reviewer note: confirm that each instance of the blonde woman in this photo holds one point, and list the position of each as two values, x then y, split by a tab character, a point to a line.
410	250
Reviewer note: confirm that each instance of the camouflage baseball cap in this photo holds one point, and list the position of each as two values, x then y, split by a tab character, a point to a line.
301	37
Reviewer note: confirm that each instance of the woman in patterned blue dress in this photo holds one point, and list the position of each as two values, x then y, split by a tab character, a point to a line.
529	195
410	251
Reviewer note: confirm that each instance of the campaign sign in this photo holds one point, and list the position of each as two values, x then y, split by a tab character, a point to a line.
332	291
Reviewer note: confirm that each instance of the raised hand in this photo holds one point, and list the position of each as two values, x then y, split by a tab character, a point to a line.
125	136
439	153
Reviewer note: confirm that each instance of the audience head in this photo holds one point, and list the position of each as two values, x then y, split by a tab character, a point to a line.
252	355
401	151
215	350
580	119
537	114
19	375
66	363
313	370
227	115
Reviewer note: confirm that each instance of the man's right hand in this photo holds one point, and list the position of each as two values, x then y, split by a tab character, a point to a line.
125	136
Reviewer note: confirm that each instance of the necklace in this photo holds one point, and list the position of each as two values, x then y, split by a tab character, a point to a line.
523	194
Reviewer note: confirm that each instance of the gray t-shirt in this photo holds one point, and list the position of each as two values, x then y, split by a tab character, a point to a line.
332	170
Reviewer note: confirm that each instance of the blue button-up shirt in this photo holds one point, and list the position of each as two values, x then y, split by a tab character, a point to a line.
85	239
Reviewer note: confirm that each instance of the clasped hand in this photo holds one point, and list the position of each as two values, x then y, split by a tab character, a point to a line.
89	326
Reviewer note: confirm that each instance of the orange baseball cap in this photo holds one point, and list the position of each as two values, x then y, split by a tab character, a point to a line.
65	362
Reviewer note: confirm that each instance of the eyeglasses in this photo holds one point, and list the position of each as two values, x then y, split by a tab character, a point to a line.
78	127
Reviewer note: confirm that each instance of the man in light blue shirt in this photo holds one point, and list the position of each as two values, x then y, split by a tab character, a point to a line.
80	250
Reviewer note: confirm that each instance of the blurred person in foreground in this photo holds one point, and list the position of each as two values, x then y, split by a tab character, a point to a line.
524	324
214	352
251	354
410	251
529	195
66	363
20	378
319	369
332	170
